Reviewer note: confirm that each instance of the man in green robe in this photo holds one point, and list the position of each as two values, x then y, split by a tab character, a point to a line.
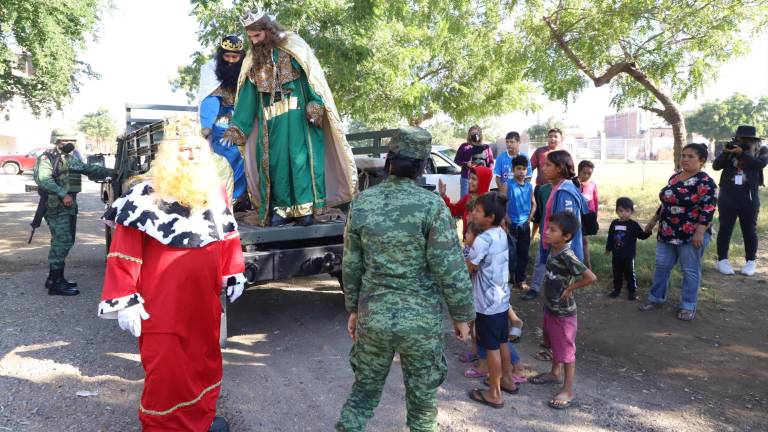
297	160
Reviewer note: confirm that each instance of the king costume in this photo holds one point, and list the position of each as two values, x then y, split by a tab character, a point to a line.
295	167
216	103
174	261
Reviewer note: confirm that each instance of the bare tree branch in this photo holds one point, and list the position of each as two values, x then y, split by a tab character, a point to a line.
560	39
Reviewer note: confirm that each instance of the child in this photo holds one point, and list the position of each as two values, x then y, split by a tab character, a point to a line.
487	261
622	242
589	225
540	196
520	208
502	167
479	183
563	268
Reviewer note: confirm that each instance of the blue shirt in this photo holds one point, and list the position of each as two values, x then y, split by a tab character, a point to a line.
503	167
519	201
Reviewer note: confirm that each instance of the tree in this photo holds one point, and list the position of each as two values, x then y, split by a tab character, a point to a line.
654	54
538	132
101	127
389	61
718	120
40	43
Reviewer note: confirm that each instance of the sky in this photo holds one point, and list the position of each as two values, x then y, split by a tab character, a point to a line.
143	42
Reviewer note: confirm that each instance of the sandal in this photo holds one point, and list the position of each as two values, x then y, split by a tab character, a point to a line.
515	333
468	357
519	379
477	396
686	315
506	390
560	404
543	355
545	378
472	372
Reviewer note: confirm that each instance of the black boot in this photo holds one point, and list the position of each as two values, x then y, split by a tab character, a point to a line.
278	220
59	285
242	204
632	295
49	281
305	220
219	425
615	293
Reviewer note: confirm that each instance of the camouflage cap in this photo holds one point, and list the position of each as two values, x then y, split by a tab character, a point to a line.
60	134
411	141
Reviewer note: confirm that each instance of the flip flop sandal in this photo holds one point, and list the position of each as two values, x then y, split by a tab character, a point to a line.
515	333
519	379
543	355
468	357
686	315
472	372
477	396
544	378
506	390
560	404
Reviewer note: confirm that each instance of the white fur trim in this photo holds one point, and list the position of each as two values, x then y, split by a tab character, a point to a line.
239	279
109	308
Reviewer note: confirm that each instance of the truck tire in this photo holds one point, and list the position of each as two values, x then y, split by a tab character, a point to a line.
11	168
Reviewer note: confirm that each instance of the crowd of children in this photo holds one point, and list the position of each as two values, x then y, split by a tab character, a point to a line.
499	226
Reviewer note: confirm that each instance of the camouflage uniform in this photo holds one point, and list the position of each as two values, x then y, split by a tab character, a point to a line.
60	219
401	258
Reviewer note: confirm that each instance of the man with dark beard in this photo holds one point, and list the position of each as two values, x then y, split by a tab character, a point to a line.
297	158
216	98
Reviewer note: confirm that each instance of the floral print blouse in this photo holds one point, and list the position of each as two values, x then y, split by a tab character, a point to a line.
685	204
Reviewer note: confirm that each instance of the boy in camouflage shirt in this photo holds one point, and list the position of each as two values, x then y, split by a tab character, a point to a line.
563	269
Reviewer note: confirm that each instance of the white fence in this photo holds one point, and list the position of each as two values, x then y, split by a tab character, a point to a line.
606	149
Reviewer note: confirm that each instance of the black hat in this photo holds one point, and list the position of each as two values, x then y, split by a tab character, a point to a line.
745	131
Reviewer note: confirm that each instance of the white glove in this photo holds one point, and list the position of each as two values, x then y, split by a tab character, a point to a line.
226	142
235	285
130	318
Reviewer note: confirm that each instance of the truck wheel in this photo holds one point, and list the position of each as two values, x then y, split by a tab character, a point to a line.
11	168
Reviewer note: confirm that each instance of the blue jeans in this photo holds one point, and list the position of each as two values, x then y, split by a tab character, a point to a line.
463	186
513	356
539	271
667	255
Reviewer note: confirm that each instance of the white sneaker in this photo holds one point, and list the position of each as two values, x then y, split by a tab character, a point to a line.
724	267
749	268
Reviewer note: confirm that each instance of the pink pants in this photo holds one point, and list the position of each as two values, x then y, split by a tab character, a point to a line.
560	336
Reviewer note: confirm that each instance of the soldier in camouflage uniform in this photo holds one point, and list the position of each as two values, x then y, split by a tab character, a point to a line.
401	259
57	173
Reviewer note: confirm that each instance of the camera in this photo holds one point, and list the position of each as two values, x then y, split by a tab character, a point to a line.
733	144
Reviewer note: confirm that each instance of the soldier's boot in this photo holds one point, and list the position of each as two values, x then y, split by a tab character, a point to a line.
59	286
49	281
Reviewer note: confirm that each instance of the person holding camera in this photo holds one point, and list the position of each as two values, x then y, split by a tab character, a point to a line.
472	153
742	162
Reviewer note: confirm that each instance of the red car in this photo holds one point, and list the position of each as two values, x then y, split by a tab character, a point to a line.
15	164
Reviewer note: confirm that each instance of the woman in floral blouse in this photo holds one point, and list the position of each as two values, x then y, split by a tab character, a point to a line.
688	203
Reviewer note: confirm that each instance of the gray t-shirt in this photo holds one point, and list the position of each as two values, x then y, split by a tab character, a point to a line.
489	283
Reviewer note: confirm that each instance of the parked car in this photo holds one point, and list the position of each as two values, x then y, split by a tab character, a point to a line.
17	163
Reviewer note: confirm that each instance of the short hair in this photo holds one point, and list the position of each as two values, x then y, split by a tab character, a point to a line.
700	149
513	136
493	204
567	222
520	160
585	164
555	130
625	203
404	166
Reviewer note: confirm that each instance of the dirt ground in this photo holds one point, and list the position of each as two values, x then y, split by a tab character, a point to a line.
286	363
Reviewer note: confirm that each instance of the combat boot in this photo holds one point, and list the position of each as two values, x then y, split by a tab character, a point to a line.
59	285
49	281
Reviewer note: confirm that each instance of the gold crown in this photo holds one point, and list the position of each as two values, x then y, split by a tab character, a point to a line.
229	46
180	127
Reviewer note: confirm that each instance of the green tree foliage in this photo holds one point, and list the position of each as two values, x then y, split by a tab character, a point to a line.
392	61
654	54
46	35
538	132
718	120
101	127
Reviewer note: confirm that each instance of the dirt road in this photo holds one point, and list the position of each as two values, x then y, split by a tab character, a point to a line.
286	363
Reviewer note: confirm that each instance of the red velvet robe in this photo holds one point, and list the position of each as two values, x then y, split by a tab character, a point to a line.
179	343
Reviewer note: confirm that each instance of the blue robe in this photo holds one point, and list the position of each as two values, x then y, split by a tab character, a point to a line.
215	113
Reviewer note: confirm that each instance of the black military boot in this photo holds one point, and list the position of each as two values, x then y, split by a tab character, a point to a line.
49	281
305	220
59	285
219	425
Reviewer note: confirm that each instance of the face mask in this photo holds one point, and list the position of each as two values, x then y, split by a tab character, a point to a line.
67	148
475	137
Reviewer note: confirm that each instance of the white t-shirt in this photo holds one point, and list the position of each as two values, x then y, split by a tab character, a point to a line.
489	283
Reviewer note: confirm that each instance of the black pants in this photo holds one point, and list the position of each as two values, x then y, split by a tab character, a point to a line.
519	241
624	269
743	204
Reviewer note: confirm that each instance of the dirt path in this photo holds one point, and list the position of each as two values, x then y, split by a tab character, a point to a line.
286	363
